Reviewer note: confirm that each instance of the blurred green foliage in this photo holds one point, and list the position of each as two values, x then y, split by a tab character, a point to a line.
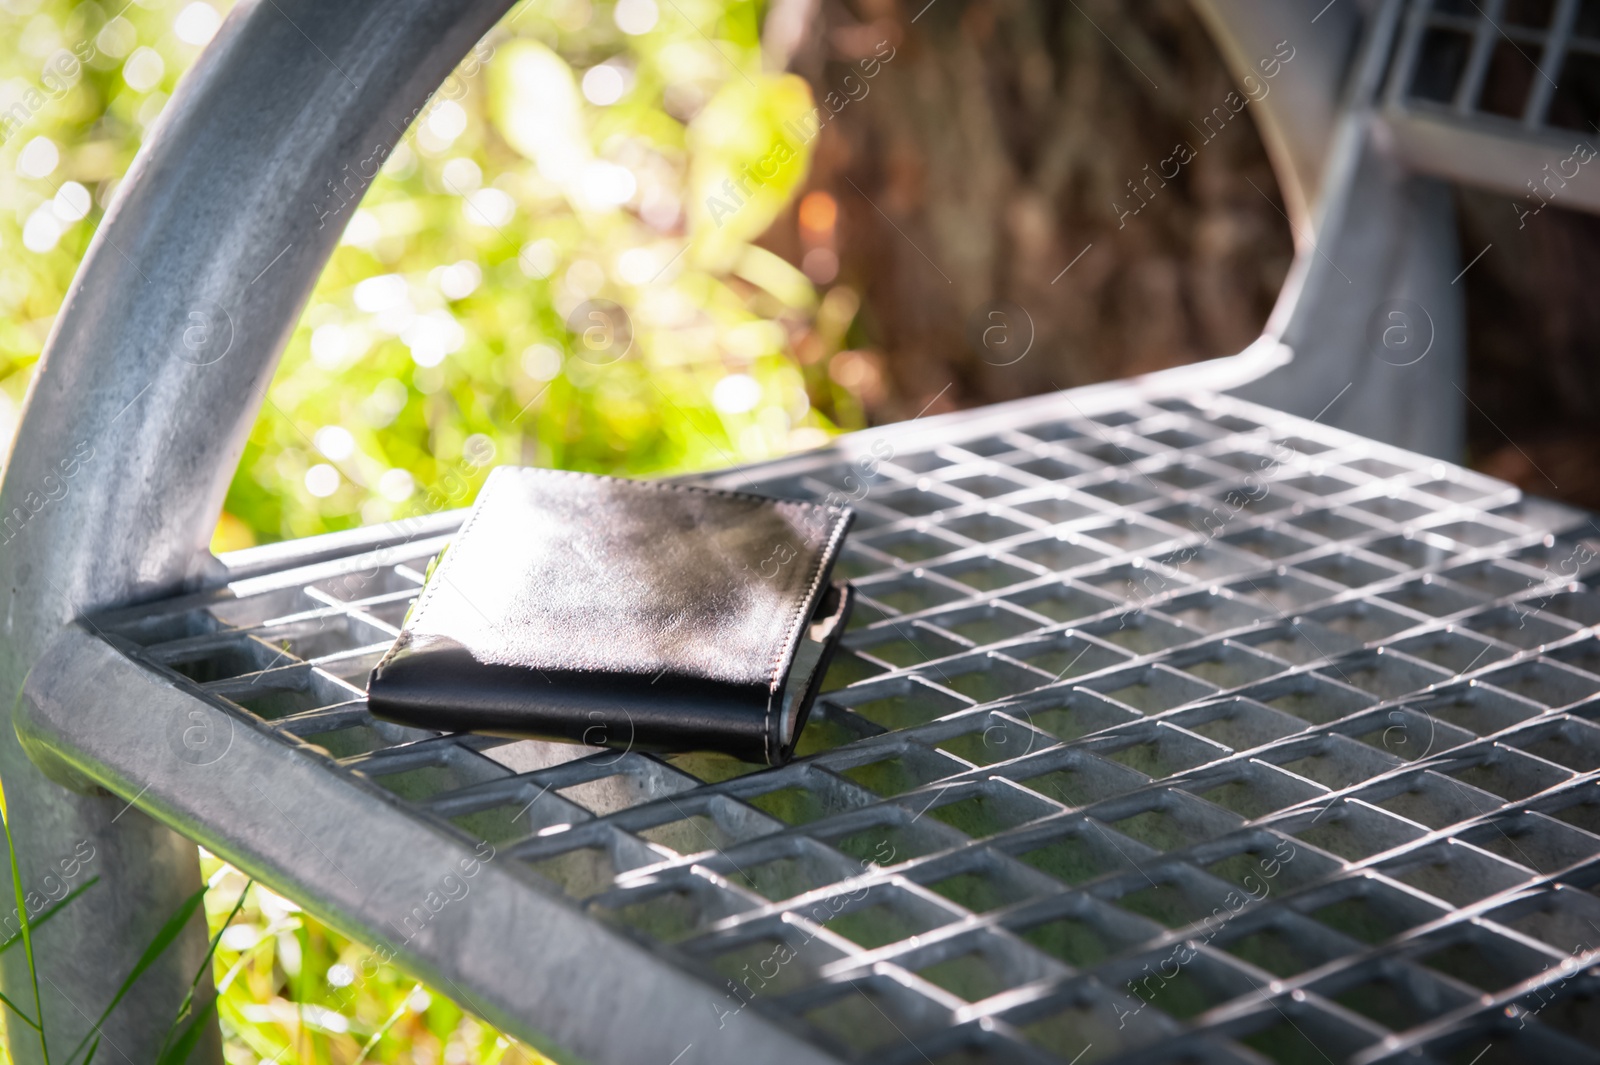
580	154
577	155
290	990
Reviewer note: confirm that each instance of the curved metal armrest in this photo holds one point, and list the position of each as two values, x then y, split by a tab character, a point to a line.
149	383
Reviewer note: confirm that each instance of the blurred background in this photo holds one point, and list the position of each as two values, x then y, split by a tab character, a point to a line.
653	236
765	274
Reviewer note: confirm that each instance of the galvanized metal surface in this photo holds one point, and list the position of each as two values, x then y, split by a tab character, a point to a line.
223	217
1170	727
158	363
1368	308
1498	94
152	376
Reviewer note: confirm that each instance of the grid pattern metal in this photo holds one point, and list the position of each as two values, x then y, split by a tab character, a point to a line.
1187	730
1533	62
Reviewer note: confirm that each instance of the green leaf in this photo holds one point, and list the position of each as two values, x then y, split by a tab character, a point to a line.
18	1011
394	1018
528	70
188	999
750	151
27	929
8	942
179	1051
164	938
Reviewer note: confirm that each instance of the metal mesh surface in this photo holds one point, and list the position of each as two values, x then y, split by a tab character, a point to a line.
1533	62
1187	731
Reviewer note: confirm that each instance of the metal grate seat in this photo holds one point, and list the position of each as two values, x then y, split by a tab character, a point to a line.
1529	62
1500	93
1168	728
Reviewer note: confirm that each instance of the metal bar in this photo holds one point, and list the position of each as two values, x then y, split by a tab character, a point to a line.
1466	152
147	387
333	841
1404	67
1551	59
1381	238
1484	37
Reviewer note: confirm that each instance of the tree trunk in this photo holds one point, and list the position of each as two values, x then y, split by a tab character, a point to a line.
996	167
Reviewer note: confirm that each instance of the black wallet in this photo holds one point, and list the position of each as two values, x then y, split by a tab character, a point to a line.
629	614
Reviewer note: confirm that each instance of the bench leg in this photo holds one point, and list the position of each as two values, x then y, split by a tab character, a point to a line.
84	952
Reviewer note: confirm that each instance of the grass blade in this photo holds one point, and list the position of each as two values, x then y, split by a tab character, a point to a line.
188	999
23	1017
27	930
7	943
178	1053
163	939
394	1019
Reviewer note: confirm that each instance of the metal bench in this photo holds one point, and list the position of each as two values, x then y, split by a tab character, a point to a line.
1171	725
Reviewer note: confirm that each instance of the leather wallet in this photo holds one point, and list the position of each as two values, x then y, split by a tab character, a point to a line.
631	614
